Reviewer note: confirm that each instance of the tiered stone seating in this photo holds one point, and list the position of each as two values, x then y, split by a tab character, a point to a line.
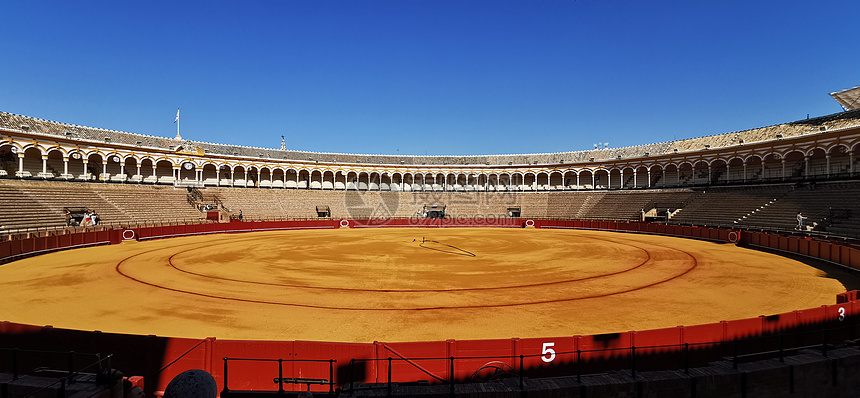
566	205
629	205
254	203
483	204
611	205
725	206
160	203
39	204
278	203
815	202
36	204
20	211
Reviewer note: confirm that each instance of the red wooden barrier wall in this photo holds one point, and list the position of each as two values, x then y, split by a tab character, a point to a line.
431	360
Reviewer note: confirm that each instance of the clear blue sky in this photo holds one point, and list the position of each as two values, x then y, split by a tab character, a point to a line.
436	77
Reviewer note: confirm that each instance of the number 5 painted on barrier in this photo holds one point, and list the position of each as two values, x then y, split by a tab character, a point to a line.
841	316
548	352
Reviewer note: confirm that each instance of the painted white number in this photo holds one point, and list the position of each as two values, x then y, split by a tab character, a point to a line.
841	316
548	352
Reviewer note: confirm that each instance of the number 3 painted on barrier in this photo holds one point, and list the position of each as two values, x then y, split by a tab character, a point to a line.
841	316
548	352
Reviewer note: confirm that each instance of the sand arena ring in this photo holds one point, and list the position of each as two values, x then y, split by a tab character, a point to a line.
405	284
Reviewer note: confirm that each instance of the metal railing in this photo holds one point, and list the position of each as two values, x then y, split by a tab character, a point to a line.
69	374
281	380
633	356
570	363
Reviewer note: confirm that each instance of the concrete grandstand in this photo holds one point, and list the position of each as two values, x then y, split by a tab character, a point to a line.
747	188
793	160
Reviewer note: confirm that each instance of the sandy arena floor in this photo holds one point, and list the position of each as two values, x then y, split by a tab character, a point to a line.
405	284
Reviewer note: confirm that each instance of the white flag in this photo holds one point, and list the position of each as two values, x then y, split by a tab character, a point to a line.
177	116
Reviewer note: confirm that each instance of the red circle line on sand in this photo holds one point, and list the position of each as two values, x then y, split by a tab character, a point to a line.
311	306
347	289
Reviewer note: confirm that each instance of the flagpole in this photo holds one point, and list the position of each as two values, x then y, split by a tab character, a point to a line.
178	137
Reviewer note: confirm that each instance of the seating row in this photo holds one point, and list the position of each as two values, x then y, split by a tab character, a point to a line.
39	204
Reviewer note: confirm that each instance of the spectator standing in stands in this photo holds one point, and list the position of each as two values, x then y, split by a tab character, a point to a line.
68	218
240	215
800	219
94	219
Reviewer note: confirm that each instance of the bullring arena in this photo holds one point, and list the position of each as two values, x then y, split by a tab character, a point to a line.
406	284
666	269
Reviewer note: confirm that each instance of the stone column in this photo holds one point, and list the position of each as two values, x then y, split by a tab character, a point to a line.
783	169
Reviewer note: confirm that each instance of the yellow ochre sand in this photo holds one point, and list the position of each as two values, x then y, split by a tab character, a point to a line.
405	284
